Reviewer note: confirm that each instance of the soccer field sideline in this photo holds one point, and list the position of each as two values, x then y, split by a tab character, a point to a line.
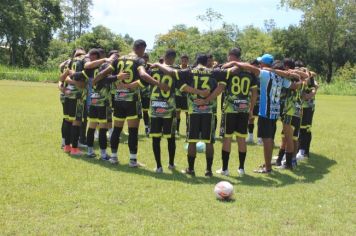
43	188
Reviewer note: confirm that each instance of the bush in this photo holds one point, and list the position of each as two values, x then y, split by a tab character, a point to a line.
28	74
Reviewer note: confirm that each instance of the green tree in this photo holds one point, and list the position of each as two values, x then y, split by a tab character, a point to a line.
210	17
329	24
76	18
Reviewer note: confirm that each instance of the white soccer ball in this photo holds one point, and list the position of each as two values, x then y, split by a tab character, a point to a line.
200	147
224	190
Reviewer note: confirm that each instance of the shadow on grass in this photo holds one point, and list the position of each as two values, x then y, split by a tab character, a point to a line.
308	171
170	175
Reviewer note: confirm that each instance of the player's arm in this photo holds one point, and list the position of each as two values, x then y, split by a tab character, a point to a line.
101	75
147	78
132	85
165	69
244	66
188	89
219	89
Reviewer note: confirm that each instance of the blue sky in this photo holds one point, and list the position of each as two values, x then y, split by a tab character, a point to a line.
145	19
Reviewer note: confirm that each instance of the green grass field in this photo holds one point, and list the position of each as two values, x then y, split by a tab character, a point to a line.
46	192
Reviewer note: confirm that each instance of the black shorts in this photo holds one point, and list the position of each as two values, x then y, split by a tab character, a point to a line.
307	118
294	122
160	126
145	101
256	109
181	103
98	114
266	127
127	110
201	128
236	124
109	114
73	109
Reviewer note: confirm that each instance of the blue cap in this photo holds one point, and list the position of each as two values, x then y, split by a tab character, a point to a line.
266	59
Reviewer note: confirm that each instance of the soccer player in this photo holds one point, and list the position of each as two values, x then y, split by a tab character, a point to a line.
238	107
127	101
271	83
308	107
200	117
290	117
251	121
75	94
181	97
145	98
99	102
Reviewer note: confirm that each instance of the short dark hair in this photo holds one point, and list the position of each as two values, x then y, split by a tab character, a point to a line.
202	59
101	51
299	63
184	56
139	43
210	56
170	53
94	51
255	62
113	52
289	62
145	55
277	64
235	52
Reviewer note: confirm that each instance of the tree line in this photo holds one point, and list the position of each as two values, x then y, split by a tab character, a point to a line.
42	33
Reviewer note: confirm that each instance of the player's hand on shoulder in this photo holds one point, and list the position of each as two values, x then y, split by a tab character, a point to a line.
204	93
164	87
200	101
123	76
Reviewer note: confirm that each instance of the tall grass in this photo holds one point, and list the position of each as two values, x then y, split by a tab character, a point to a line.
28	74
345	88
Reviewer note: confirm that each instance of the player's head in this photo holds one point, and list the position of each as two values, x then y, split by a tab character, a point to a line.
299	64
255	63
234	54
79	52
170	56
184	60
289	63
202	59
114	52
210	63
94	54
266	60
101	52
278	65
139	47
161	60
146	57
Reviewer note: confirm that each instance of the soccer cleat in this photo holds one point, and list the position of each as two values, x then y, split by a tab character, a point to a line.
91	155
76	152
171	167
62	146
147	131
259	141
300	155
222	172
263	171
250	138
67	148
158	170
284	167
208	173
133	163
241	172
188	172
112	160
294	163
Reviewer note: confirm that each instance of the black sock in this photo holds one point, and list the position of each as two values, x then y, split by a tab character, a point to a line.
90	137
103	142
178	124
209	163
115	138
156	145
242	158
146	118
191	160
225	159
133	140
171	150
67	134
303	139
250	128
308	141
83	130
280	155
289	157
63	128
75	135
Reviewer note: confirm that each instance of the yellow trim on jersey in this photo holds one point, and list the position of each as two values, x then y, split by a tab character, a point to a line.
102	121
239	135
167	135
155	135
141	84
182	87
228	73
93	120
132	117
255	86
112	67
177	74
85	75
118	119
222	82
228	135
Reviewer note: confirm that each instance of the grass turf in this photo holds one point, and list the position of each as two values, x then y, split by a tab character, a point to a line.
46	192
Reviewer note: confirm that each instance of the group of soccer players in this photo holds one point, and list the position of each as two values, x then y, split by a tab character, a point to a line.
100	91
